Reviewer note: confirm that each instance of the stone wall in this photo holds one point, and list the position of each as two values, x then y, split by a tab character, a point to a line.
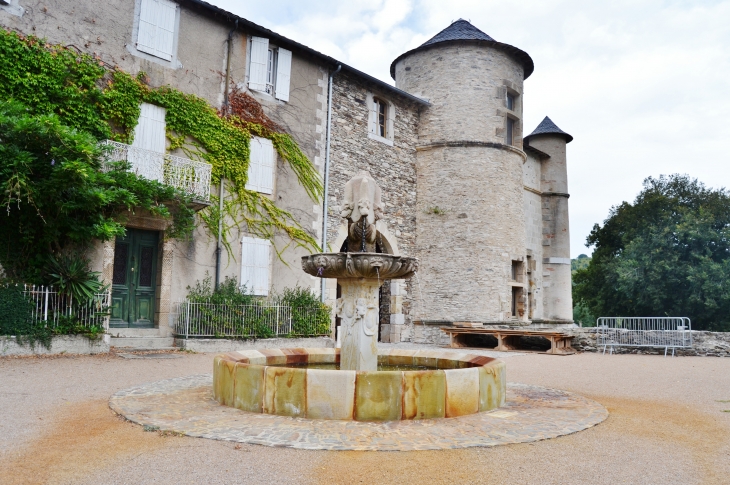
61	344
392	167
716	344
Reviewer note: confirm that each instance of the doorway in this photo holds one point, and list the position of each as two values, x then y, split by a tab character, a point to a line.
134	280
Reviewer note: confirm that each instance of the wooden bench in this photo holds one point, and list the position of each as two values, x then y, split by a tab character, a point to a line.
506	338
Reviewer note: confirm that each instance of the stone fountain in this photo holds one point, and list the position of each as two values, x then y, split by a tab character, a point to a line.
357	382
360	272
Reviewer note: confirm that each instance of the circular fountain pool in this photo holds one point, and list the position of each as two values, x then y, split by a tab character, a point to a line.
287	382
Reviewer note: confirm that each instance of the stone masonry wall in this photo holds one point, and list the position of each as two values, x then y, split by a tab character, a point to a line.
392	167
716	344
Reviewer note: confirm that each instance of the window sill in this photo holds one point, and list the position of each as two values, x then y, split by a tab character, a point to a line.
264	95
173	64
387	141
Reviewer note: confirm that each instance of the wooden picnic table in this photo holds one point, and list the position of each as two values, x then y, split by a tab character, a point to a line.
506	338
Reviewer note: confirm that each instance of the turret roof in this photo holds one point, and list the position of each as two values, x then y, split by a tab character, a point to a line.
463	31
459	30
547	127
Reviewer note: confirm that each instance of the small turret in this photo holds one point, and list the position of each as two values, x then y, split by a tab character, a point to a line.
557	289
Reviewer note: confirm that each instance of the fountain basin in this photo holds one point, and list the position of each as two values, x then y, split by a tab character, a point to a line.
456	385
359	265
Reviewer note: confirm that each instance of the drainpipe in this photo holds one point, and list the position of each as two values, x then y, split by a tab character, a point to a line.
327	171
219	246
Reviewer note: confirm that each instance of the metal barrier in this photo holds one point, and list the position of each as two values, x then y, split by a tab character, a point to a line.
262	320
668	332
49	305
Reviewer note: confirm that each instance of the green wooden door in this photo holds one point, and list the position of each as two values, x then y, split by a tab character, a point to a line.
134	280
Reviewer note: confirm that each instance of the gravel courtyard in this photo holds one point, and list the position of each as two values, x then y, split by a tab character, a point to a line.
669	423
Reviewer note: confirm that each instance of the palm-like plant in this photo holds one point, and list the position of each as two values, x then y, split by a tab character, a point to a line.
72	277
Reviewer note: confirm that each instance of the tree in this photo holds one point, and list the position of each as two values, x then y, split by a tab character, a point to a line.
56	197
667	254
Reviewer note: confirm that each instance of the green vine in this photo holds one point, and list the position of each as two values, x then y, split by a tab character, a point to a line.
105	102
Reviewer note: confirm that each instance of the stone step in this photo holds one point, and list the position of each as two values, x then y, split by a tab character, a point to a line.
143	343
135	332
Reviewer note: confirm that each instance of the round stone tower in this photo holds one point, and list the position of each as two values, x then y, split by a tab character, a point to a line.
469	212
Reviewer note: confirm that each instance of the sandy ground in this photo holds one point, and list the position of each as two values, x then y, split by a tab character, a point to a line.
668	424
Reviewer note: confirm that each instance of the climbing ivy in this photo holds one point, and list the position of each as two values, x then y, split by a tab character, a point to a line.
105	102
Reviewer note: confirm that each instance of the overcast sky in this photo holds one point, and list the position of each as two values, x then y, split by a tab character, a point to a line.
642	85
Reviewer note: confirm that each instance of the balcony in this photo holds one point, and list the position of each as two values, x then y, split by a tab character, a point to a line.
187	175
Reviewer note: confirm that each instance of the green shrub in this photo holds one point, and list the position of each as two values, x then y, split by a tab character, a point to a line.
16	313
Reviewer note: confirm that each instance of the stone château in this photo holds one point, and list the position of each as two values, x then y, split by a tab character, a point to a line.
483	207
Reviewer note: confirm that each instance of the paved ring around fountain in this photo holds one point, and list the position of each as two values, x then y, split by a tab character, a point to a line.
185	405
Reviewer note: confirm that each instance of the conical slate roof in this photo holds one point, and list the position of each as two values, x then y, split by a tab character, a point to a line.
459	30
462	31
547	127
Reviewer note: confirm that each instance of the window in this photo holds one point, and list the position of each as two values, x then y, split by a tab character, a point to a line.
516	271
156	29
269	69
380	119
149	136
510	102
255	256
261	166
509	132
381	115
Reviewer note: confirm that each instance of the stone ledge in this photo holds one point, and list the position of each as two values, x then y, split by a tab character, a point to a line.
229	345
61	344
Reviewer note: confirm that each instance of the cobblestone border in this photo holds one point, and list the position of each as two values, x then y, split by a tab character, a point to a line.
185	405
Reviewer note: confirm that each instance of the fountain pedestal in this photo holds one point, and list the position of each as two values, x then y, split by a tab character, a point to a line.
359	313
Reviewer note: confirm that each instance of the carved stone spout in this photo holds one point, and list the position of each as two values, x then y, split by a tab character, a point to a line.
362	208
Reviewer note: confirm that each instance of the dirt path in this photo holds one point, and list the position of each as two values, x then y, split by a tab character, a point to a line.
667	425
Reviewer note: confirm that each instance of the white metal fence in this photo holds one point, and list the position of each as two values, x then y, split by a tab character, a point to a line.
187	175
49	306
261	320
668	332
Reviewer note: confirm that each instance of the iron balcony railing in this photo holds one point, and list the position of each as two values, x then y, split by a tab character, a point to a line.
48	306
187	175
261	320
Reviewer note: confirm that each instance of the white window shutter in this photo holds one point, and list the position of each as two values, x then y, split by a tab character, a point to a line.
165	37
254	165
147	26
149	136
255	257
283	75
156	30
261	166
266	180
372	117
258	66
389	133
